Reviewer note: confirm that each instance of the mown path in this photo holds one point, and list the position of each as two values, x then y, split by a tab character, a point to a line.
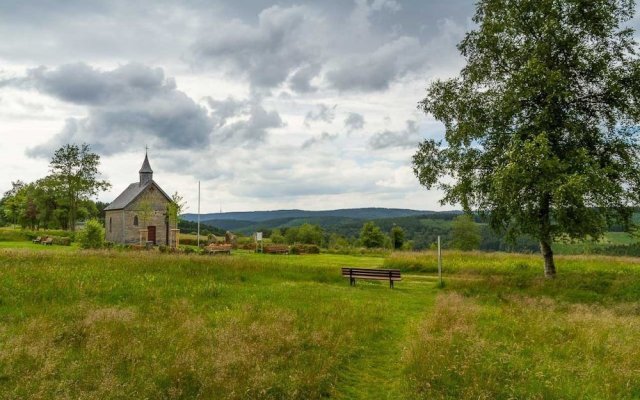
378	371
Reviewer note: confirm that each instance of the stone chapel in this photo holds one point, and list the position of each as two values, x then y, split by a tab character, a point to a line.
139	214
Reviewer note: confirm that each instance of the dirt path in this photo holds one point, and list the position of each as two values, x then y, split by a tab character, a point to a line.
378	371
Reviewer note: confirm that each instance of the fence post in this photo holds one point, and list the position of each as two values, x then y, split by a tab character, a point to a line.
439	262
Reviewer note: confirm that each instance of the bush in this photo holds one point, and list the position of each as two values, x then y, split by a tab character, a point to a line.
304	249
92	236
188	250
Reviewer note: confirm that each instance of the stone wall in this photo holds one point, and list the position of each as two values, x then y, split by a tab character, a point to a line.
120	226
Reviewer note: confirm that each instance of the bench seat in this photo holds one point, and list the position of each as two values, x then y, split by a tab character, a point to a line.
391	275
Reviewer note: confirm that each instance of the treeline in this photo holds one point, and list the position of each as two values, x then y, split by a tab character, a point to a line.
205	229
456	231
60	199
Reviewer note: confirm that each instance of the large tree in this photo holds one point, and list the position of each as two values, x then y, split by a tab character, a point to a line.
74	169
541	124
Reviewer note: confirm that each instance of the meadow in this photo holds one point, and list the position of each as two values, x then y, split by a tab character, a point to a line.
123	324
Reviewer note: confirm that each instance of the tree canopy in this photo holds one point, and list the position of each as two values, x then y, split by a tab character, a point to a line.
371	236
541	131
74	172
465	234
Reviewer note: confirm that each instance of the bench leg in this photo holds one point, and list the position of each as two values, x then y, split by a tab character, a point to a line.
391	283
352	281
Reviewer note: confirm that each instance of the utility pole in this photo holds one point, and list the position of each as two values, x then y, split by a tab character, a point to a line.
198	214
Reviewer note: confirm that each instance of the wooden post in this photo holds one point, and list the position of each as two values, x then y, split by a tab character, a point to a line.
439	262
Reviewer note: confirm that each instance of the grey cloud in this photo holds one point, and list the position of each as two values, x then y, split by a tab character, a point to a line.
408	137
377	70
251	125
285	39
324	137
84	85
325	114
354	122
300	81
132	103
225	109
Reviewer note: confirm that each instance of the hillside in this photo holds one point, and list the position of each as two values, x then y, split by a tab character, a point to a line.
355	213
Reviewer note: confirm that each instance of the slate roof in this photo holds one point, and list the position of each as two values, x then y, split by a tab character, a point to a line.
146	167
131	193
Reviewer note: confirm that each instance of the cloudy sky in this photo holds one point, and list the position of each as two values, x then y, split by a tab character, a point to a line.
272	105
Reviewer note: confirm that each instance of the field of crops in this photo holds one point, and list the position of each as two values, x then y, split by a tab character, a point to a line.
112	324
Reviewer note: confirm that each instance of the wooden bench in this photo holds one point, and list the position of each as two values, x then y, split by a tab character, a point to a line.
47	241
218	248
391	275
37	240
276	249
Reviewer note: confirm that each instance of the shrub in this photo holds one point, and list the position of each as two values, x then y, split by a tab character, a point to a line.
92	236
304	249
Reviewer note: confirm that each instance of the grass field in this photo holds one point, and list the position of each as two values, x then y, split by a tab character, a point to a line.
83	324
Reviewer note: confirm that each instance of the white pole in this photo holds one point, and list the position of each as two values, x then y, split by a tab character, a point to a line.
439	261
198	213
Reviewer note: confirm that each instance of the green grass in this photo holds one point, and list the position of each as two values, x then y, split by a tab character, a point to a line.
36	246
111	324
588	246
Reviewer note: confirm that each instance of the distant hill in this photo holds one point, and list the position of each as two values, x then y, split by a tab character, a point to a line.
354	213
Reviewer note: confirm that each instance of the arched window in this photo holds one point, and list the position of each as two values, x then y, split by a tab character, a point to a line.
110	224
135	220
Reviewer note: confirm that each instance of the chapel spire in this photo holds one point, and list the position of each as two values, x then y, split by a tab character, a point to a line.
146	173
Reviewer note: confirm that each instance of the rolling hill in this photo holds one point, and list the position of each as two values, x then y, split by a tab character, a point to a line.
355	213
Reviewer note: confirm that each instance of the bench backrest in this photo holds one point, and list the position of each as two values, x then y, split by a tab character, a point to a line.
393	274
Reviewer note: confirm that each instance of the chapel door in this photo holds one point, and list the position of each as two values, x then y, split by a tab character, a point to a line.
152	234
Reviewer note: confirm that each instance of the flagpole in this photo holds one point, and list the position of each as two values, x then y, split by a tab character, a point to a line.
198	213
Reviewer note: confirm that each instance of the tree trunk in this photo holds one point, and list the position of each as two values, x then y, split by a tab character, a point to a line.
546	237
549	264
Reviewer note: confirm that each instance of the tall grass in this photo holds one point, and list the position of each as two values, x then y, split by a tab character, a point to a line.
525	347
99	324
110	324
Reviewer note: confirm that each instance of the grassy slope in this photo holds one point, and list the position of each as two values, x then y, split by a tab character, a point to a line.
114	325
122	325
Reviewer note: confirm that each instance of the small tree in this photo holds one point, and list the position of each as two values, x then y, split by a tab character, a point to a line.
371	236
310	234
397	237
74	169
145	212
276	237
465	233
92	236
337	241
175	208
291	234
